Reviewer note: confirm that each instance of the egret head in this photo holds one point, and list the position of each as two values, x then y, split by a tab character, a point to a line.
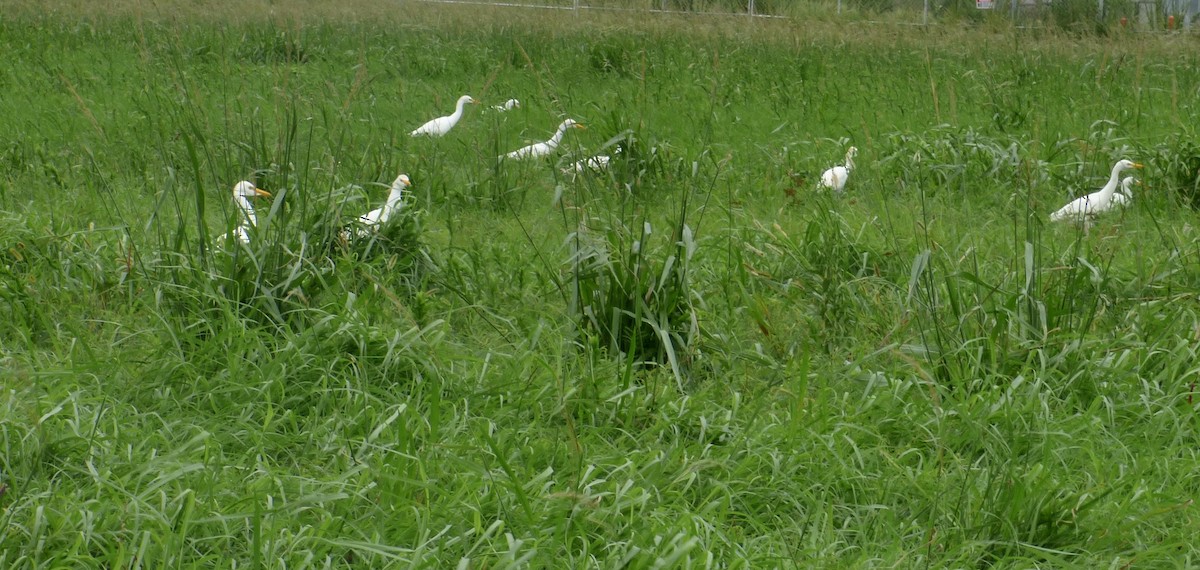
247	189
402	181
1127	164
853	152
466	99
570	123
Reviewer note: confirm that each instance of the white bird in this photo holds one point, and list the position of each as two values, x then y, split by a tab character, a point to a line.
1125	195
835	178
508	105
597	163
442	125
242	192
1086	206
544	148
379	216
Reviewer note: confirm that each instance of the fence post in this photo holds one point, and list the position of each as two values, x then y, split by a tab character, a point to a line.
925	14
839	7
751	7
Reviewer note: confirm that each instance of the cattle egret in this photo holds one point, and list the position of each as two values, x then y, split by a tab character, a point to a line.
442	125
242	192
508	105
1088	206
1125	195
379	216
597	163
835	178
544	148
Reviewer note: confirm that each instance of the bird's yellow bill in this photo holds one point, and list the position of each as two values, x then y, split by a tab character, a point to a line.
580	126
261	192
1137	165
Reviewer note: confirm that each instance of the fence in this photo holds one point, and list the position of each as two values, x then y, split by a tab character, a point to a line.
1141	14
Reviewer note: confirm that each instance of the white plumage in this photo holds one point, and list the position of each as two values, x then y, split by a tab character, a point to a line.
379	216
1087	206
508	105
1125	195
442	125
545	148
242	192
835	178
597	163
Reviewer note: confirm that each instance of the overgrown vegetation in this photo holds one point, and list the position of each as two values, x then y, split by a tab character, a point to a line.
691	358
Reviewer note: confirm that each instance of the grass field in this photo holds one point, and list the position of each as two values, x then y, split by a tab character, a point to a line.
695	359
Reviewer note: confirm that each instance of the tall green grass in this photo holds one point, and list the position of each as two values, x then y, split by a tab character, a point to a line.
693	359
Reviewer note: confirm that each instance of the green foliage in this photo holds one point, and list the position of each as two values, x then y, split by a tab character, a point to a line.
269	47
875	6
1077	16
1180	161
692	358
638	166
614	56
947	159
634	293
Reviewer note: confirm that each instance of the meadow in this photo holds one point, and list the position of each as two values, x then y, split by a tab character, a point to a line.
693	359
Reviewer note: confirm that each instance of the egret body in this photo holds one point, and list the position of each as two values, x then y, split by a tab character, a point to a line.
442	125
372	220
545	148
1088	206
835	178
242	192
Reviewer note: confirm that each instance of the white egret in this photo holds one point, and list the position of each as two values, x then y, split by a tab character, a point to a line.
835	178
442	125
1125	195
545	148
598	163
379	216
508	105
242	192
1087	206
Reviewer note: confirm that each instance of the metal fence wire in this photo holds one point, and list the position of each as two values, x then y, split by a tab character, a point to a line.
1140	14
